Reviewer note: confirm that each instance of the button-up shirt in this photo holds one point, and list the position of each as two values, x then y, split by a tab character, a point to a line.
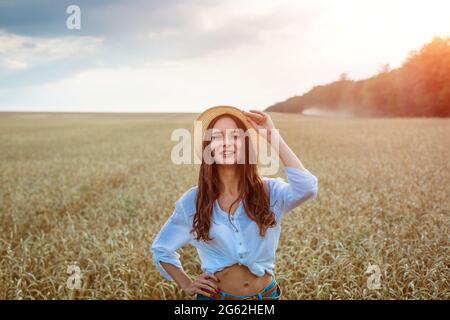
236	238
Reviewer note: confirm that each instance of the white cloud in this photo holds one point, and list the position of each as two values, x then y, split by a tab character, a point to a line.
18	52
15	64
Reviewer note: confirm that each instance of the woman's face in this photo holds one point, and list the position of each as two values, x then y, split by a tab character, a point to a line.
227	141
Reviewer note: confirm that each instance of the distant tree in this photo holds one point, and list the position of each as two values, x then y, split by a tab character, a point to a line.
384	68
343	76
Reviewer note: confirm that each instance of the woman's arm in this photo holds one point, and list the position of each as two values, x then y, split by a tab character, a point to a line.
177	274
201	284
287	156
261	120
302	184
173	235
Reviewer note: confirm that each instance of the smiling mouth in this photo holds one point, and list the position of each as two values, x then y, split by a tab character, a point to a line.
228	153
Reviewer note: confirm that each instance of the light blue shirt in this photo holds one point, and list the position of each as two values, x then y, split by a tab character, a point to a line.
236	241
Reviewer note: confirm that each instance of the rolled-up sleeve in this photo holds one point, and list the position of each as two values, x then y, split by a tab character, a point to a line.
174	234
301	186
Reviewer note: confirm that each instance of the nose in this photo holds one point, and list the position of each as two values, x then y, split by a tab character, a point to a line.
228	142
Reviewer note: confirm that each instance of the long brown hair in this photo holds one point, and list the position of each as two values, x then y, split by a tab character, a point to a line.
251	189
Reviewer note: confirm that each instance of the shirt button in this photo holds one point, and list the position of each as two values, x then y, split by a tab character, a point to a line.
240	243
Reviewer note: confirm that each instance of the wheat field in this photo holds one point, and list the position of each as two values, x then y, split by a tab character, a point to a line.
92	190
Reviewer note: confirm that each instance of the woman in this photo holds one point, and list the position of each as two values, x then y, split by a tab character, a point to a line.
233	215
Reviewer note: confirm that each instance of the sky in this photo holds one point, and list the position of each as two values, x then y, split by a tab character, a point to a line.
188	55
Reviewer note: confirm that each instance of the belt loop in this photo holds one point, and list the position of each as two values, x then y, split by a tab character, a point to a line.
222	295
260	296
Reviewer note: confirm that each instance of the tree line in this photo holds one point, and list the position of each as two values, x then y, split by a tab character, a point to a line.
420	87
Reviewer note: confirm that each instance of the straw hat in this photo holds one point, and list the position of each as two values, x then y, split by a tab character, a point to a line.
210	114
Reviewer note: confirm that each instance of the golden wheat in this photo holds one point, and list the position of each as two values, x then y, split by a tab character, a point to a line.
93	190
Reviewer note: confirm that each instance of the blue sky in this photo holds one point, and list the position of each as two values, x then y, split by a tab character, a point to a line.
185	56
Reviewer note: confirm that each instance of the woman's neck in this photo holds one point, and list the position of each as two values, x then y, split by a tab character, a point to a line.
229	178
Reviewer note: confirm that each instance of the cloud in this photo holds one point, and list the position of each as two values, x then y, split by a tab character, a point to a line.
46	18
142	29
52	48
123	34
15	64
21	57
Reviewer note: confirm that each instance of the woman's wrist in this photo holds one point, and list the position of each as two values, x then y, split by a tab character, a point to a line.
186	284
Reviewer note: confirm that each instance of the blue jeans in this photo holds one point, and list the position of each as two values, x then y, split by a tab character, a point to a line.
274	294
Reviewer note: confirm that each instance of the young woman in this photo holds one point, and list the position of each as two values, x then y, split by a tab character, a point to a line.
233	215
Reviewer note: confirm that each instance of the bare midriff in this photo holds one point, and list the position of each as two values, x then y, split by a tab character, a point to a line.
238	280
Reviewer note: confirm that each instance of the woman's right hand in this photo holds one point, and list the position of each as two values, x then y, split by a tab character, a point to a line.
204	284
